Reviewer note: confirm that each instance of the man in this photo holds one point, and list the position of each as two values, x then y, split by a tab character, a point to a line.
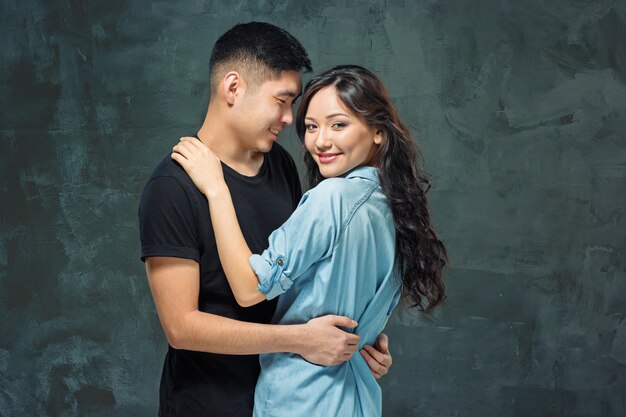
212	366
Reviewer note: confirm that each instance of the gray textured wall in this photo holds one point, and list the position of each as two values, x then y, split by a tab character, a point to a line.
519	106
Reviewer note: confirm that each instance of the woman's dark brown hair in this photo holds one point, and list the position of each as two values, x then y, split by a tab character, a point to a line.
420	255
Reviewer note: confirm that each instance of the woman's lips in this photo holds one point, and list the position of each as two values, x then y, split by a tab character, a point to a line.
326	158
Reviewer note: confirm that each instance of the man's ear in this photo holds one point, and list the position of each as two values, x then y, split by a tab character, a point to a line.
232	87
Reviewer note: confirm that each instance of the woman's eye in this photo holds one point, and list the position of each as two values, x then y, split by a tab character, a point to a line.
310	128
338	125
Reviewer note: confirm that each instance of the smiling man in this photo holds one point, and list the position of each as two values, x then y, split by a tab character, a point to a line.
211	367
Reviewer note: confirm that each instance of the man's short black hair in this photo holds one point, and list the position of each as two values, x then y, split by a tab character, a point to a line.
261	49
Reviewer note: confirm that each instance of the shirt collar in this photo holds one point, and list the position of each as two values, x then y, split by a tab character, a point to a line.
366	172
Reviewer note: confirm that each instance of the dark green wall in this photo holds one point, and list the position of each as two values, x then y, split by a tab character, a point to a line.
519	107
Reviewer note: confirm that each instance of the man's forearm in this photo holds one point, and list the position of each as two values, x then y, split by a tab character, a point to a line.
206	332
174	283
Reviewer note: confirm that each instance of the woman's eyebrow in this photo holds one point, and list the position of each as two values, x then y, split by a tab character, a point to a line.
330	116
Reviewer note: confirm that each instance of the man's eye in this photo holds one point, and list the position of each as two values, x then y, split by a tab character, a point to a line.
281	100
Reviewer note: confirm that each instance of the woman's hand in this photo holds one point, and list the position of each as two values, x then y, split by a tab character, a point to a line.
201	164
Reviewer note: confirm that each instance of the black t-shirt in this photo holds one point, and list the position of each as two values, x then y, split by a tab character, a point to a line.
174	221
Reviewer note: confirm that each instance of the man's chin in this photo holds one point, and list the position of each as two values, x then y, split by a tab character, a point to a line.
265	147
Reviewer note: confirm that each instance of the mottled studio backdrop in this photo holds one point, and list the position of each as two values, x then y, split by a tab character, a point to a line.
519	107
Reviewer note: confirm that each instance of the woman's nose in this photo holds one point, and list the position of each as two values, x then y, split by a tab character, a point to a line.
323	140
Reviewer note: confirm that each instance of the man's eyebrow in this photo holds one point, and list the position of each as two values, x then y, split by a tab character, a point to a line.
288	93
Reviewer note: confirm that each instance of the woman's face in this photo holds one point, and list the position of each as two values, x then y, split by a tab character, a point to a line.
337	140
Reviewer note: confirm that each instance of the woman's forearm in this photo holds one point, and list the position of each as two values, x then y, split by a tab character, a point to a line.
233	249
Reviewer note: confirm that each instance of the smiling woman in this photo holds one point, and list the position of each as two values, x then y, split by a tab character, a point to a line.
366	122
336	139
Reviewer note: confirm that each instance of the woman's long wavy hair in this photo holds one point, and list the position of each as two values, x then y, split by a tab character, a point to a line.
420	255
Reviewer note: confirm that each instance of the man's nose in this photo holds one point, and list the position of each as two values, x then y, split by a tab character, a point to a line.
287	116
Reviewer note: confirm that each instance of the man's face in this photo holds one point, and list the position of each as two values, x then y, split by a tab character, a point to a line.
266	110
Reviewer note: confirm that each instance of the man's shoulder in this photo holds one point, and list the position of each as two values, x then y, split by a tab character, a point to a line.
167	167
169	171
169	184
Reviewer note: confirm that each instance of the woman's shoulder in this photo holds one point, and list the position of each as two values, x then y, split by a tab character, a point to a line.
335	187
341	195
360	181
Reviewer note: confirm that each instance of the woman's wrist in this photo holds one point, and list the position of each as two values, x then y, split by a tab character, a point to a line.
216	191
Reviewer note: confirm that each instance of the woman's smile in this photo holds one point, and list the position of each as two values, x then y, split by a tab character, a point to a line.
326	157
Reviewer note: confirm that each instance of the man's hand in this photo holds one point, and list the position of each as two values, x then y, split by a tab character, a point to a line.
325	343
378	357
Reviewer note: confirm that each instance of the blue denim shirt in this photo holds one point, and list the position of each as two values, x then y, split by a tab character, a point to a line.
334	255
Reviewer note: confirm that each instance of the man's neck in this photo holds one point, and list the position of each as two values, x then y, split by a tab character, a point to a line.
218	138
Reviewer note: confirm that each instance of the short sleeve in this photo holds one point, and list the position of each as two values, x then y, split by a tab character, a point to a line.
166	221
307	237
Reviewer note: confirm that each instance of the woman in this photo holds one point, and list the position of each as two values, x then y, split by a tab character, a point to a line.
359	239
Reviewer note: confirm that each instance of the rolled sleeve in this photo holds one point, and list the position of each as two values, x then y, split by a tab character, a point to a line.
272	279
308	236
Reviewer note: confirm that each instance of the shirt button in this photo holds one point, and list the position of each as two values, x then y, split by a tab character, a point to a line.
279	262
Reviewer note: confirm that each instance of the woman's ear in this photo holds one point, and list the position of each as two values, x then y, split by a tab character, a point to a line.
379	136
